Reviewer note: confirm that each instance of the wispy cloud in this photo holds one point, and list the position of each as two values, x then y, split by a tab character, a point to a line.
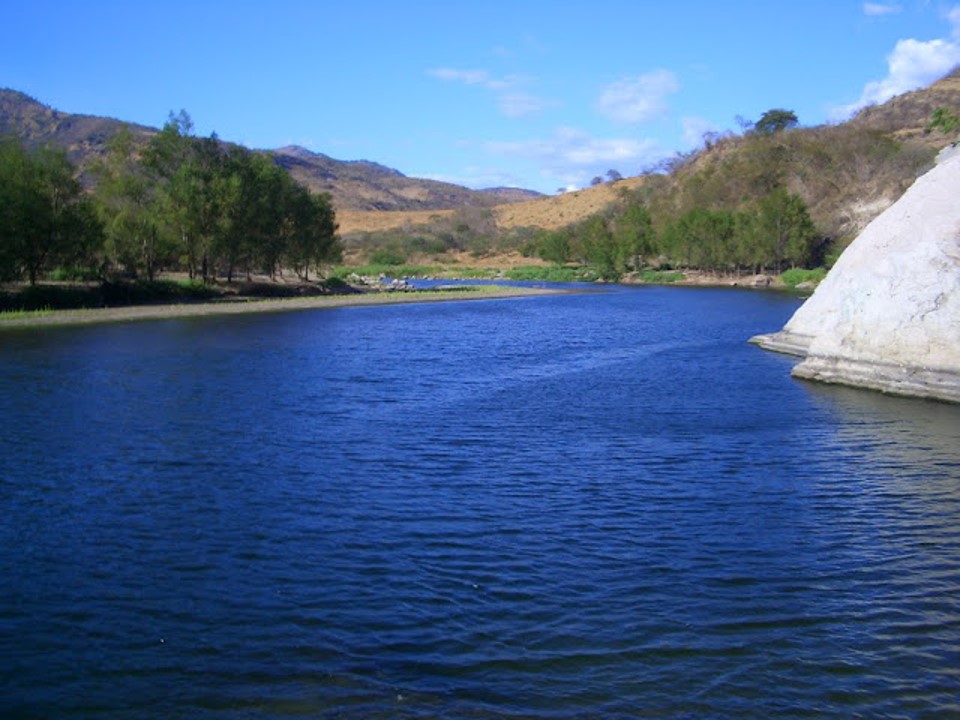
911	64
694	129
512	102
468	77
875	8
637	99
520	104
572	156
479	177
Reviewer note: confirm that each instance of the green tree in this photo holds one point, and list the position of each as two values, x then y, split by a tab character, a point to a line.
702	238
313	240
45	218
188	168
553	246
782	232
599	247
634	236
775	120
139	237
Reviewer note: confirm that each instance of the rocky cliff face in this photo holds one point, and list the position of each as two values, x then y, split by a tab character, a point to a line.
887	316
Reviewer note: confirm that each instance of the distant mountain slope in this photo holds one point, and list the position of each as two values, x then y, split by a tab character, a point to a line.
846	173
353	185
84	137
365	185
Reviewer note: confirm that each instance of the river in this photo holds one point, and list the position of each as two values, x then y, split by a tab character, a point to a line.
598	505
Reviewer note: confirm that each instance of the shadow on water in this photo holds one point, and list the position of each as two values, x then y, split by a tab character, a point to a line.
894	431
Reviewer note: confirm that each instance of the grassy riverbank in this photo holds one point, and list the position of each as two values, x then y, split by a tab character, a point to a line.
46	317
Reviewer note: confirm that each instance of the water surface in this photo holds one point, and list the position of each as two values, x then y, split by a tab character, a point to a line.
599	505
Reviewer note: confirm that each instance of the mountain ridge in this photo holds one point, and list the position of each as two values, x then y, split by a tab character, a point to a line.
357	185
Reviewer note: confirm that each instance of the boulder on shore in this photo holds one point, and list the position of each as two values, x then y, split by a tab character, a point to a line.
887	316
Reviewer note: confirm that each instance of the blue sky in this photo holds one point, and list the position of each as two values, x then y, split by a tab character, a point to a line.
533	94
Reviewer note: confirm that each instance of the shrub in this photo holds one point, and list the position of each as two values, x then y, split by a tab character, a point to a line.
793	277
386	257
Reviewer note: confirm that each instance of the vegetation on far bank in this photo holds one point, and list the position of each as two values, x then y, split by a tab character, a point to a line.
178	203
777	199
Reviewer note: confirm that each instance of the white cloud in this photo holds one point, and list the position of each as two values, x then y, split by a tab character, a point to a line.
875	8
468	77
572	156
634	100
479	178
512	102
911	65
520	104
694	128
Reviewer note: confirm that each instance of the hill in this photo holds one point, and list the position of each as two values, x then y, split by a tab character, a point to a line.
846	173
83	137
353	185
362	185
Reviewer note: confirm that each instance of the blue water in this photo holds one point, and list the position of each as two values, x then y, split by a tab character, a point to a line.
603	505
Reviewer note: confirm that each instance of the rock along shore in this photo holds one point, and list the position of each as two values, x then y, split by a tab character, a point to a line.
887	316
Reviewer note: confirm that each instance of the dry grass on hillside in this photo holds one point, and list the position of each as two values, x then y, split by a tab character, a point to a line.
555	212
378	220
548	213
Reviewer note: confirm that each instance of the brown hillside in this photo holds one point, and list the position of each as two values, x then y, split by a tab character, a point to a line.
84	137
548	213
353	185
847	173
363	186
907	116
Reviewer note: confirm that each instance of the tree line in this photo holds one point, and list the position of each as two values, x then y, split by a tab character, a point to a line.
177	202
734	207
768	234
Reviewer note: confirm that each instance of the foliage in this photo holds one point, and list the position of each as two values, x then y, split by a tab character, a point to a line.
553	247
185	202
385	257
634	236
945	120
552	273
45	220
73	273
794	276
774	121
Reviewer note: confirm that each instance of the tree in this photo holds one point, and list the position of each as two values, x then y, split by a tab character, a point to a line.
634	235
313	239
553	246
614	175
599	247
45	218
780	230
596	181
701	238
775	120
188	168
139	235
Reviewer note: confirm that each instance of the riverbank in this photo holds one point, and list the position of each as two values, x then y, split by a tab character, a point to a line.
54	318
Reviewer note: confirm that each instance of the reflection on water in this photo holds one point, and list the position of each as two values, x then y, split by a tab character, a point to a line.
905	437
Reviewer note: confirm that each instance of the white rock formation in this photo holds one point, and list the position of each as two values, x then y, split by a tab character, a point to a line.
887	316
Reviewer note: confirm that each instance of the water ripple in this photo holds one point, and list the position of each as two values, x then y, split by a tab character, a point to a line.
599	506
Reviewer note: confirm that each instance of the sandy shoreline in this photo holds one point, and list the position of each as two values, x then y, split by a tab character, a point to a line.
57	318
